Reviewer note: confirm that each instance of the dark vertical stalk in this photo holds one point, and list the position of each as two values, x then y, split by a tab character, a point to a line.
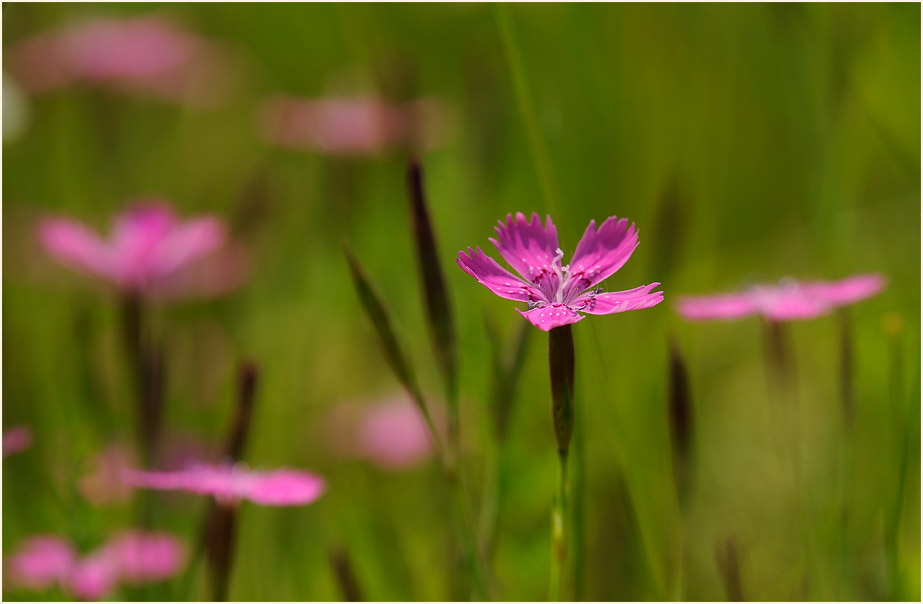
780	367
221	518
435	298
847	390
147	366
345	575
729	569
682	426
561	370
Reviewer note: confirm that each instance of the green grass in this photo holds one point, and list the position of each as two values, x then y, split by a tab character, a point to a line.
748	142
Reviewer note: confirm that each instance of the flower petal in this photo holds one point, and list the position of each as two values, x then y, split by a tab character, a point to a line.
731	306
40	562
527	246
285	487
495	278
846	291
600	253
147	557
794	304
550	316
75	246
187	243
608	303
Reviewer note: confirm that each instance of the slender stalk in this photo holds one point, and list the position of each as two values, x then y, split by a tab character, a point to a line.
345	575
561	370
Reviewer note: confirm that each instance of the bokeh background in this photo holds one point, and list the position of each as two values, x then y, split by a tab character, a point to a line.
748	142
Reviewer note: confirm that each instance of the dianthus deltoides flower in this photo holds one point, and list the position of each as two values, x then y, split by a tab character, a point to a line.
789	300
16	439
147	54
557	293
231	483
133	557
147	253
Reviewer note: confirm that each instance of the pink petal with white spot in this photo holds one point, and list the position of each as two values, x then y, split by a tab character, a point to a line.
548	317
847	291
725	307
527	246
608	303
601	253
75	246
495	278
40	563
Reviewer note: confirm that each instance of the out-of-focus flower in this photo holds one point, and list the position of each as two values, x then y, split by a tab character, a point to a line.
135	557
556	293
394	435
351	126
151	252
145	55
104	484
789	300
146	557
229	484
389	432
16	439
40	563
16	112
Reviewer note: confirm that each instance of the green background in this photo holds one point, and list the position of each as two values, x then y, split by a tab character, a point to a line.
748	142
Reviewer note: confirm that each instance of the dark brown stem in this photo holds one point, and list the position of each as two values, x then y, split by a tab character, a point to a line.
561	368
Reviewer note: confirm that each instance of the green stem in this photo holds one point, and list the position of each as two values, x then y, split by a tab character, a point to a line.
559	536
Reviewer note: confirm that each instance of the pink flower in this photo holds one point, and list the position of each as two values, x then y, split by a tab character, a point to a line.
148	55
147	557
556	293
136	557
394	435
40	563
16	439
149	252
232	483
787	301
348	126
104	484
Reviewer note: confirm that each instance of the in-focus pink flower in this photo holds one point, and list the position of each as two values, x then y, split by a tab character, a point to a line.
230	484
146	55
136	557
789	300
16	439
350	126
556	294
148	252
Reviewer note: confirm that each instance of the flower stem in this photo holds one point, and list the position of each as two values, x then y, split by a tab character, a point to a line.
559	535
561	370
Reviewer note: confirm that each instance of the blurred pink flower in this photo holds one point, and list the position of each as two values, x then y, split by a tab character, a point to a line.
146	557
16	439
105	483
350	126
149	252
787	301
393	434
39	563
136	557
556	293
229	484
149	55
